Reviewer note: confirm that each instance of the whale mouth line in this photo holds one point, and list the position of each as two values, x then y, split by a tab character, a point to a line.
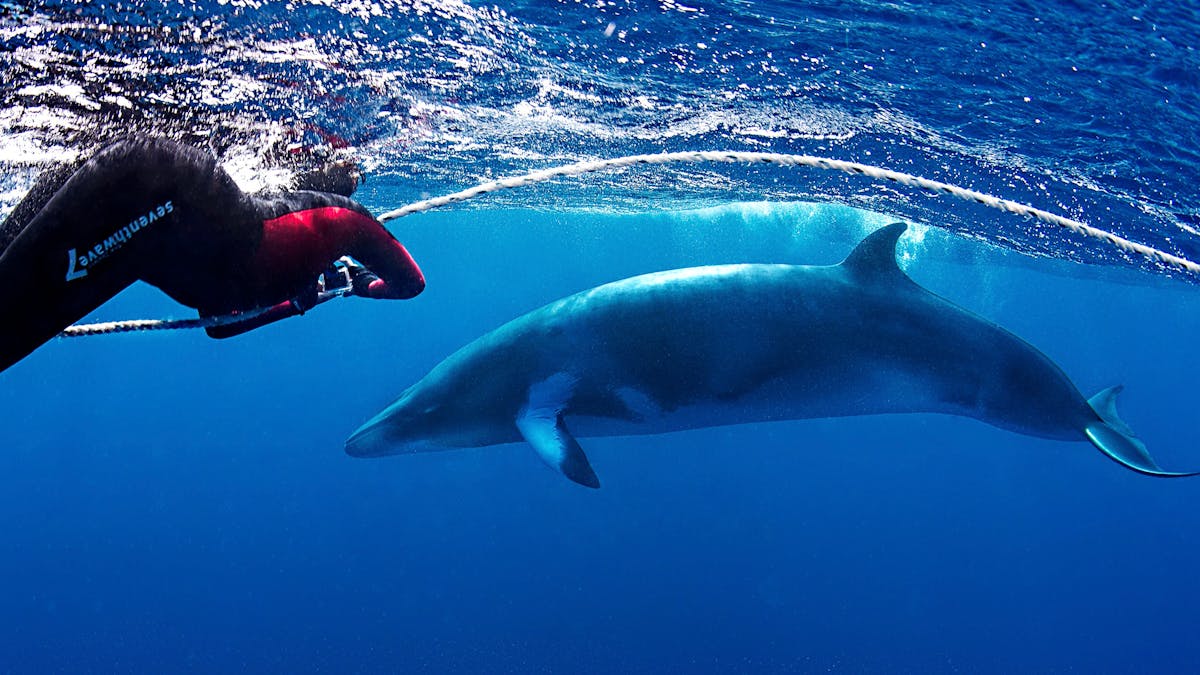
379	439
368	441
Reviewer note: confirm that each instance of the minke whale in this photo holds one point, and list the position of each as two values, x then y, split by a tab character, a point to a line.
734	344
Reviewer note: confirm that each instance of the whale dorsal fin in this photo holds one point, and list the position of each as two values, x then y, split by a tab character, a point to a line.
541	424
874	259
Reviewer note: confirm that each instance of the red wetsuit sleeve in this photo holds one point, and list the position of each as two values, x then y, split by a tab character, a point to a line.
399	276
299	245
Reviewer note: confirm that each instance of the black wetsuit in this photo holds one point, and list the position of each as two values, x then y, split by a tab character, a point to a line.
153	210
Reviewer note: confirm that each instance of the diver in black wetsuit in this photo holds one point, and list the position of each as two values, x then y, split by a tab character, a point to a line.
153	210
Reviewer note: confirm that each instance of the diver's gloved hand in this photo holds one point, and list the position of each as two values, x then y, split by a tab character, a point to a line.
348	272
363	282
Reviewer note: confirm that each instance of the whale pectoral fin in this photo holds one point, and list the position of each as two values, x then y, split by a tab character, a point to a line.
1114	438
548	434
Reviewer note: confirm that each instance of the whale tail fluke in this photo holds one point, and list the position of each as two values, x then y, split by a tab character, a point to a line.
1114	438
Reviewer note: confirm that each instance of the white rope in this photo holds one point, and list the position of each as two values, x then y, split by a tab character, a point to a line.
139	325
855	168
581	168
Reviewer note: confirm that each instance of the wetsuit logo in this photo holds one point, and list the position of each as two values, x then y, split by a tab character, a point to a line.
79	261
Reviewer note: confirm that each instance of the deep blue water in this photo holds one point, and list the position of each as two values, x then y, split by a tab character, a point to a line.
172	503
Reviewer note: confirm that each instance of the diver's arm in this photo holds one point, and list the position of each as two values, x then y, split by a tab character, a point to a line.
399	276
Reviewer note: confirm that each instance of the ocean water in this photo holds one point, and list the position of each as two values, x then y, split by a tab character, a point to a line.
171	503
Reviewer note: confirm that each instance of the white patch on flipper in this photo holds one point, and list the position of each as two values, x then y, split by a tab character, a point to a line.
540	432
540	423
548	397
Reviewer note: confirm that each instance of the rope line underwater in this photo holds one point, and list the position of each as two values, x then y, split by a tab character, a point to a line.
854	168
142	325
727	157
